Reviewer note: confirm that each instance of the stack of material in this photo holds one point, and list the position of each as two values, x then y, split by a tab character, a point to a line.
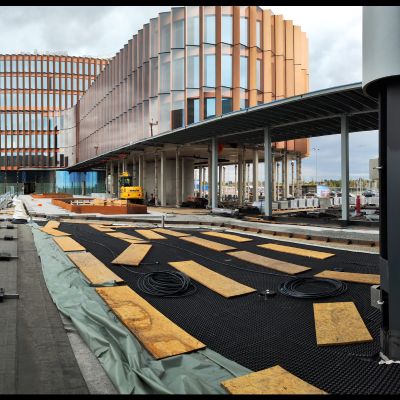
114	202
20	216
99	202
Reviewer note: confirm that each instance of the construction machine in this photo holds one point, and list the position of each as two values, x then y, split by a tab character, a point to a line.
134	194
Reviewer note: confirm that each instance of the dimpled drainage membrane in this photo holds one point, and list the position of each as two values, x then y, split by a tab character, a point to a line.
255	332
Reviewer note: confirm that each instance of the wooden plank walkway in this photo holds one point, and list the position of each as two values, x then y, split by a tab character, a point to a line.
370	279
208	243
320	255
68	244
133	255
228	236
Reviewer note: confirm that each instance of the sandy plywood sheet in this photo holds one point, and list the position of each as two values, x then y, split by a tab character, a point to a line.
228	236
128	238
149	234
170	232
52	224
218	283
160	336
281	266
274	380
339	323
101	228
93	269
320	255
54	232
133	255
208	243
68	244
371	279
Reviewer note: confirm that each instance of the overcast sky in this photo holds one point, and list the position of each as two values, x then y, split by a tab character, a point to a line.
334	33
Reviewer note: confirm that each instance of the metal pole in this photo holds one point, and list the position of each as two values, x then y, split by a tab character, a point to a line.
163	179
155	181
177	179
345	167
219	182
255	174
267	172
214	172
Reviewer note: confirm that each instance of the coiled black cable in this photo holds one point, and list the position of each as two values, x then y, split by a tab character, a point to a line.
291	288
166	284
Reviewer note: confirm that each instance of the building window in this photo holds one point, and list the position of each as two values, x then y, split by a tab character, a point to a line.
258	75
227	29
258	34
178	72
209	70
178	34
1	66
209	29
165	113
193	110
38	66
209	107
226	72
243	72
165	72
244	31
193	71
192	26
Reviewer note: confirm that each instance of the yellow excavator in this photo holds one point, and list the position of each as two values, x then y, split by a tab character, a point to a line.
134	194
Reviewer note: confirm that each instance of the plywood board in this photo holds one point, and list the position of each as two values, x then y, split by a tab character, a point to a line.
228	236
52	224
208	243
281	266
320	255
101	228
339	323
93	269
218	283
133	255
149	234
370	279
160	336
68	244
54	232
170	232
274	380
126	237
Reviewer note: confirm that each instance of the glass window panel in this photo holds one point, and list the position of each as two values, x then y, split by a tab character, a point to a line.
178	34
244	31
62	64
14	66
193	109
192	25
226	72
258	34
165	32
258	74
226	105
178	72
243	72
209	70
39	82
45	66
51	66
80	68
209	29
1	65
86	69
226	29
193	69
209	107
165	113
164	78
14	82
38	66
20	66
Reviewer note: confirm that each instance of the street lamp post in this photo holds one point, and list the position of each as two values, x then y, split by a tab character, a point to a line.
316	164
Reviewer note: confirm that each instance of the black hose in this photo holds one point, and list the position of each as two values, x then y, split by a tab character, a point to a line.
166	284
291	288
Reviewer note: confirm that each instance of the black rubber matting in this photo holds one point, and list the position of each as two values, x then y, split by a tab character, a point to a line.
255	332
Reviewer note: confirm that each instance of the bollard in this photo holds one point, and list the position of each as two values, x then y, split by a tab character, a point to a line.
162	221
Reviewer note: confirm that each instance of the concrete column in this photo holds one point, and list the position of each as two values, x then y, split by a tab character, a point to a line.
220	182
111	179
345	167
209	179
178	185
155	179
267	172
273	179
278	180
235	181
292	179
163	179
106	178
141	169
214	172
255	174
284	175
223	181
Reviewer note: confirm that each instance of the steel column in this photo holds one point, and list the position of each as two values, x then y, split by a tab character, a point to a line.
267	172
163	183
255	174
345	167
214	173
177	179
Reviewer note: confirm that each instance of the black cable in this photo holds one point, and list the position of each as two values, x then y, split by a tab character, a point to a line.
166	284
291	288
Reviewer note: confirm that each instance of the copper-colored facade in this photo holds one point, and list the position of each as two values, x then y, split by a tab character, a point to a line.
33	91
184	66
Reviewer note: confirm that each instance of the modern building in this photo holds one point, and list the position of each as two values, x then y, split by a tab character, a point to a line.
33	90
185	66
